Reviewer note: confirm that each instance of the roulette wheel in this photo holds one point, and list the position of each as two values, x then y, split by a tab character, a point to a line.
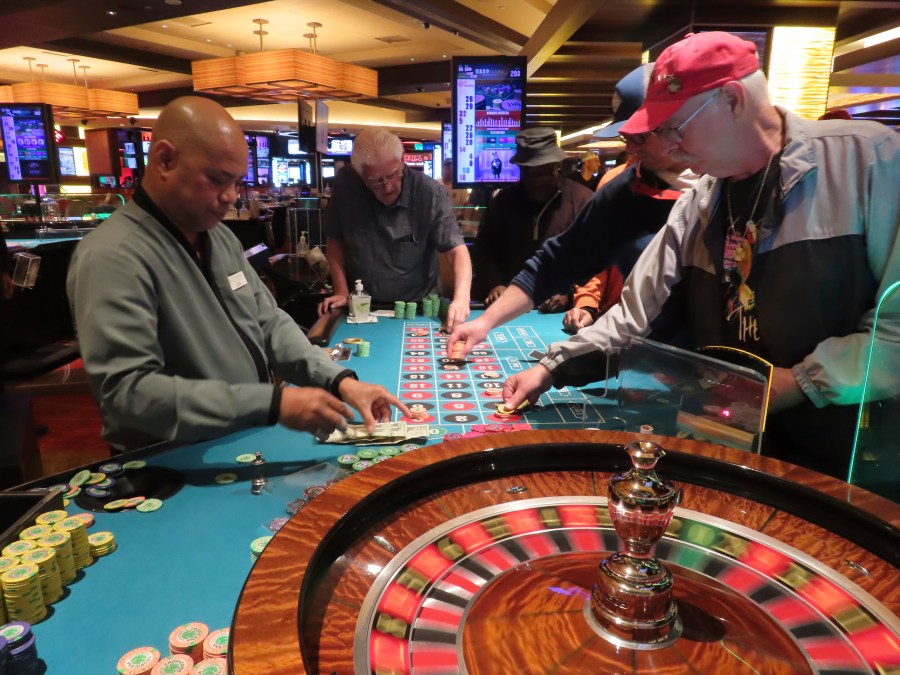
481	555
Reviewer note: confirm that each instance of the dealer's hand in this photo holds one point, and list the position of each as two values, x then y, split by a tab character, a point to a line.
312	409
332	302
527	385
371	400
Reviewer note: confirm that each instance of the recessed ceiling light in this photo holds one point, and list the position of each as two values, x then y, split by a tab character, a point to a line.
228	45
209	39
443	56
165	25
173	2
412	59
111	12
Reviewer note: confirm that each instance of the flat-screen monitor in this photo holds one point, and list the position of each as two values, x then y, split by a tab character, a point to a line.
293	147
67	162
28	138
129	148
340	146
145	147
131	162
107	181
488	112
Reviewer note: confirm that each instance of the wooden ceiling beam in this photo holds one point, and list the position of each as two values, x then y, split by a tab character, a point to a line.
460	20
566	17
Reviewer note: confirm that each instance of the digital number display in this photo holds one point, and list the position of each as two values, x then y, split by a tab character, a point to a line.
488	113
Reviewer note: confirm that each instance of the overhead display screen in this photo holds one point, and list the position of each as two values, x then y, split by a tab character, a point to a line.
27	130
488	112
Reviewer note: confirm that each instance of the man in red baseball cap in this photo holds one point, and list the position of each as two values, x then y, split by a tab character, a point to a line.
782	249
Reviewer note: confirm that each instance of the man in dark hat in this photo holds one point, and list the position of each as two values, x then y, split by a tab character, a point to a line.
542	204
783	249
612	229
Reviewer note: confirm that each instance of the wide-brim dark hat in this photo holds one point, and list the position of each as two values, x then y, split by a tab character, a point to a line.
537	146
628	97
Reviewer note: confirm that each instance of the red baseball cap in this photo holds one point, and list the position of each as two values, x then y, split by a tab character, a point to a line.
700	62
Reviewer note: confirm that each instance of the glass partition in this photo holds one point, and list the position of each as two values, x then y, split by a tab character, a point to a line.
691	395
875	462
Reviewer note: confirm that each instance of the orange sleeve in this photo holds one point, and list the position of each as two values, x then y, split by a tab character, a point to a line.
600	292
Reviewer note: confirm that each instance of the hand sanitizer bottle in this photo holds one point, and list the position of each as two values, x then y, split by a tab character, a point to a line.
302	246
360	303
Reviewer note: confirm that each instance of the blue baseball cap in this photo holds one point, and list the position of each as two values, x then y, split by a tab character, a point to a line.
627	98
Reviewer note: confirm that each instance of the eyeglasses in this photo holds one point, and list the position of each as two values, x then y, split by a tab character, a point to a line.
640	139
378	183
677	131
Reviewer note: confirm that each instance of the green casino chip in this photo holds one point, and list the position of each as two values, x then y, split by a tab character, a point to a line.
389	451
437	431
148	505
259	544
347	461
134	464
246	458
366	453
361	464
80	478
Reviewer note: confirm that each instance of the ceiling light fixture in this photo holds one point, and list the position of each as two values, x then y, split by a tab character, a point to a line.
284	75
70	100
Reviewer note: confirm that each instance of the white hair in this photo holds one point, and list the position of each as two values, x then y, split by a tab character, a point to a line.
374	145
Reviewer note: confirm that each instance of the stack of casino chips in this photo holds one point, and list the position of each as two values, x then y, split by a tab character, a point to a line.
18	548
187	640
51	517
22	593
140	661
35	532
4	653
21	650
102	543
81	548
61	543
48	573
399	309
170	665
215	646
5	564
363	349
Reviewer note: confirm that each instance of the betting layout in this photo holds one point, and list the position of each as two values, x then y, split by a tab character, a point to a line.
457	397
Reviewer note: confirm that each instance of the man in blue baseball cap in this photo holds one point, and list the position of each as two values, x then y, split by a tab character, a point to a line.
611	230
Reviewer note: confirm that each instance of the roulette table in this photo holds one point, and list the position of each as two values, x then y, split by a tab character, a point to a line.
299	608
479	556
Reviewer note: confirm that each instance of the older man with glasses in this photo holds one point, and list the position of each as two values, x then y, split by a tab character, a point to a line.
782	250
386	224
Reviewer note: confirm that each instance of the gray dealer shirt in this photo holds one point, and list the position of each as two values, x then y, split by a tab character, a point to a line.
393	249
